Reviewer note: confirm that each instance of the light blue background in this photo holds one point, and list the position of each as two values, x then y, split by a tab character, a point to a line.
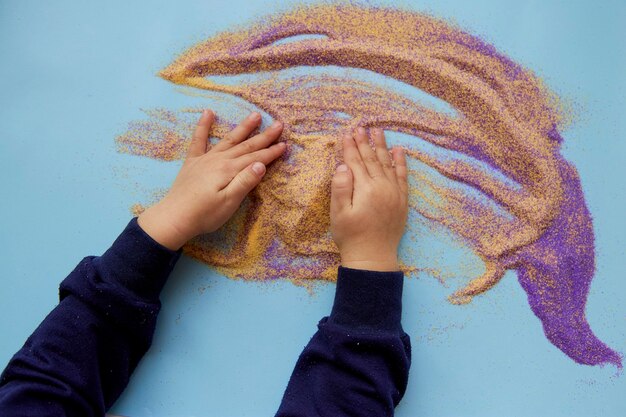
73	73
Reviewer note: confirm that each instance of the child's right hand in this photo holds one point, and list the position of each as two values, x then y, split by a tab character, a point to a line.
369	203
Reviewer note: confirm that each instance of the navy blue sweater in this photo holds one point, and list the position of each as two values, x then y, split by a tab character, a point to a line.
78	361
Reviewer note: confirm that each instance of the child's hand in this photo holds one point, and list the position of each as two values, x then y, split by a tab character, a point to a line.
369	203
212	184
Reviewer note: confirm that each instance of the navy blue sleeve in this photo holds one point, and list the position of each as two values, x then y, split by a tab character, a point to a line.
357	363
78	361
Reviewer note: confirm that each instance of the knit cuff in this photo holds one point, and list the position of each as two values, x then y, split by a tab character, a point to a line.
368	299
137	262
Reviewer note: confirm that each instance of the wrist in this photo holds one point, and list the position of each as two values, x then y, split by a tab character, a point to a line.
157	222
382	257
382	263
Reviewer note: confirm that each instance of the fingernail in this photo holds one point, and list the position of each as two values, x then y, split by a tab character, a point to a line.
361	130
258	168
377	130
254	116
204	116
342	168
276	124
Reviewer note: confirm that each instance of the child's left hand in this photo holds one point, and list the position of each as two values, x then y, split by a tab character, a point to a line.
212	184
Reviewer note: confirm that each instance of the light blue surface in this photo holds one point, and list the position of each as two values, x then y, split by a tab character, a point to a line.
73	73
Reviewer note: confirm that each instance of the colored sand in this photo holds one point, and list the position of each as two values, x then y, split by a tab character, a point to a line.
526	210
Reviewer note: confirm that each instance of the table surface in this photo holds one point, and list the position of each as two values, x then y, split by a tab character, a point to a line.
73	75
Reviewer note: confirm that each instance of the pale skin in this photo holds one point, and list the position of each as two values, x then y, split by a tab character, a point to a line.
369	202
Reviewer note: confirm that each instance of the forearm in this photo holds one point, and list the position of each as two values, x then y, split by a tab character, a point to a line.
79	360
358	361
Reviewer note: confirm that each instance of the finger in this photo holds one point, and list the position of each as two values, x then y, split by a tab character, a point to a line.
352	158
341	189
260	141
239	133
374	168
383	153
266	156
399	160
200	137
244	182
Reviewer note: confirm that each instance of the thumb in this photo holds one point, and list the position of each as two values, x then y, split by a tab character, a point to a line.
341	189
245	181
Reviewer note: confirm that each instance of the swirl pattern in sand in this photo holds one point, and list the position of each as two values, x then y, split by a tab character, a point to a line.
525	212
